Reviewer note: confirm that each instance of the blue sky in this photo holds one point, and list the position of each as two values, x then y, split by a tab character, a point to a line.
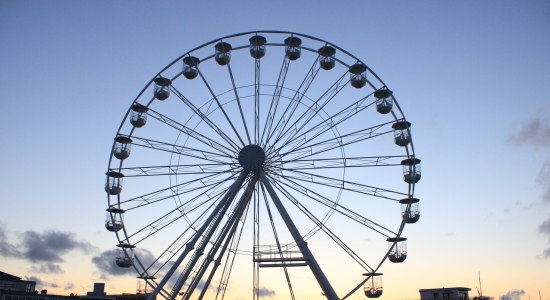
472	77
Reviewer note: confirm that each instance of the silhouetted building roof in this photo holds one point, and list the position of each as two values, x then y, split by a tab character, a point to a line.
99	294
99	290
13	288
8	277
452	293
12	283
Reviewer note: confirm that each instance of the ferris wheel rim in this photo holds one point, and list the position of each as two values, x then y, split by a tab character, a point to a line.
411	187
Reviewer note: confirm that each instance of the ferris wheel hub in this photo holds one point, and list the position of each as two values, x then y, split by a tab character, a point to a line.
252	157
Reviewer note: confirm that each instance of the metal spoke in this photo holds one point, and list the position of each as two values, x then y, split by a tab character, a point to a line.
339	163
302	245
312	110
295	101
226	235
336	119
347	212
228	268
181	150
280	252
193	169
344	184
238	102
210	229
194	134
176	190
229	262
257	83
336	142
212	221
175	246
357	287
256	238
220	106
223	250
162	222
272	112
321	225
205	118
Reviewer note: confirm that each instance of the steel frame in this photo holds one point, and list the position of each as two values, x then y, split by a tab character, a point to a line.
302	143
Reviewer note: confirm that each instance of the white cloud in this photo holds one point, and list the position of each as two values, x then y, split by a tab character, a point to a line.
513	295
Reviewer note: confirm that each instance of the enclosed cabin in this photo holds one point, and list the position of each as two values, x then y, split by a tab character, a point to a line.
384	101
257	46
162	88
373	286
410	210
113	184
138	116
191	67
401	133
327	58
398	249
293	49
122	147
113	219
358	75
122	259
223	53
411	170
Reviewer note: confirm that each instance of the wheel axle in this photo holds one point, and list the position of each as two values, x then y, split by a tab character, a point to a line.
252	157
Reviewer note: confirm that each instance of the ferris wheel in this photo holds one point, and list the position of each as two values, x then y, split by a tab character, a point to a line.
262	163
